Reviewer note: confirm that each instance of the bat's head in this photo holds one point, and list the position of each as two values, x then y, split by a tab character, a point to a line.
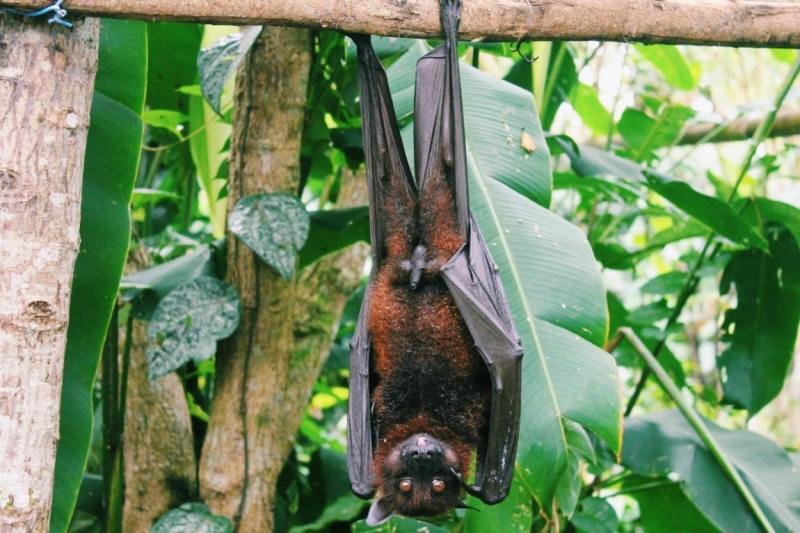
420	478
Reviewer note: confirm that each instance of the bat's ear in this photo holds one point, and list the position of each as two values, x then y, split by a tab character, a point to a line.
379	512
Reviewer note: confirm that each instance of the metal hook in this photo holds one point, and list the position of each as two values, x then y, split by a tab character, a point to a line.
519	51
58	13
530	25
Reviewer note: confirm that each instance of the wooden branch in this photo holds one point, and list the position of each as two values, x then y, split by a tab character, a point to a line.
786	123
759	23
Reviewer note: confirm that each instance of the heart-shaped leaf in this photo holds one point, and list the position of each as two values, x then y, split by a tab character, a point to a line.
191	517
219	62
274	226
188	322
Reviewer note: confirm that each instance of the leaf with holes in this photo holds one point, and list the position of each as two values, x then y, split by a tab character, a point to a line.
188	322
274	226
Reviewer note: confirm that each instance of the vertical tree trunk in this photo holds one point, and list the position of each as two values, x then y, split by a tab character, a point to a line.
46	80
160	465
265	372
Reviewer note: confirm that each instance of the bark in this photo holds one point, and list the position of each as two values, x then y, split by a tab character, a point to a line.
786	123
160	465
767	23
46	79
266	371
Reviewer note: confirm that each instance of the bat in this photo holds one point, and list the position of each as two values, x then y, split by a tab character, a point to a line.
435	358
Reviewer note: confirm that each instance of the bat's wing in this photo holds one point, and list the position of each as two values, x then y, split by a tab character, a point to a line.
389	182
359	423
470	275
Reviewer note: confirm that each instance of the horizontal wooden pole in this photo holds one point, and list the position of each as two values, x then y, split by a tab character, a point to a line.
787	122
757	23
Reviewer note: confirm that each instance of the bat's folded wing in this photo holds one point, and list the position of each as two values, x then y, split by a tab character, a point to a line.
359	427
472	279
388	181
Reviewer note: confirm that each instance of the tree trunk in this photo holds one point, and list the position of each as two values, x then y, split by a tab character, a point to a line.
160	465
266	371
46	80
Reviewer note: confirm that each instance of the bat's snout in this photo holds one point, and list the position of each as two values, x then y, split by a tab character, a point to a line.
426	448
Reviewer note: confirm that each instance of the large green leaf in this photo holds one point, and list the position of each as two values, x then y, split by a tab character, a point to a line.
588	106
663	506
709	210
188	322
507	112
146	288
761	331
643	133
333	230
668	59
553	286
112	157
596	516
514	514
273	225
664	445
172	63
761	210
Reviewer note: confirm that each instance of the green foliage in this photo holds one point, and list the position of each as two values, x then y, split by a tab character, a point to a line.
191	518
188	322
274	226
670	62
686	248
111	164
333	230
762	331
219	62
664	446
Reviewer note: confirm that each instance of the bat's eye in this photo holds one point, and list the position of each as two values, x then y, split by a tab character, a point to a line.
437	485
405	485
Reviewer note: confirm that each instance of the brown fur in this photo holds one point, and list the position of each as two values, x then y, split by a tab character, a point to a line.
430	378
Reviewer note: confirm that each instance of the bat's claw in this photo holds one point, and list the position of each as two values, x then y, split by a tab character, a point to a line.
470	489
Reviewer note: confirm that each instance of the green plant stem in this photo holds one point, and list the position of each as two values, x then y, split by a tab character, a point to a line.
639	488
552	77
704	139
762	132
113	483
699	426
690	283
688	288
